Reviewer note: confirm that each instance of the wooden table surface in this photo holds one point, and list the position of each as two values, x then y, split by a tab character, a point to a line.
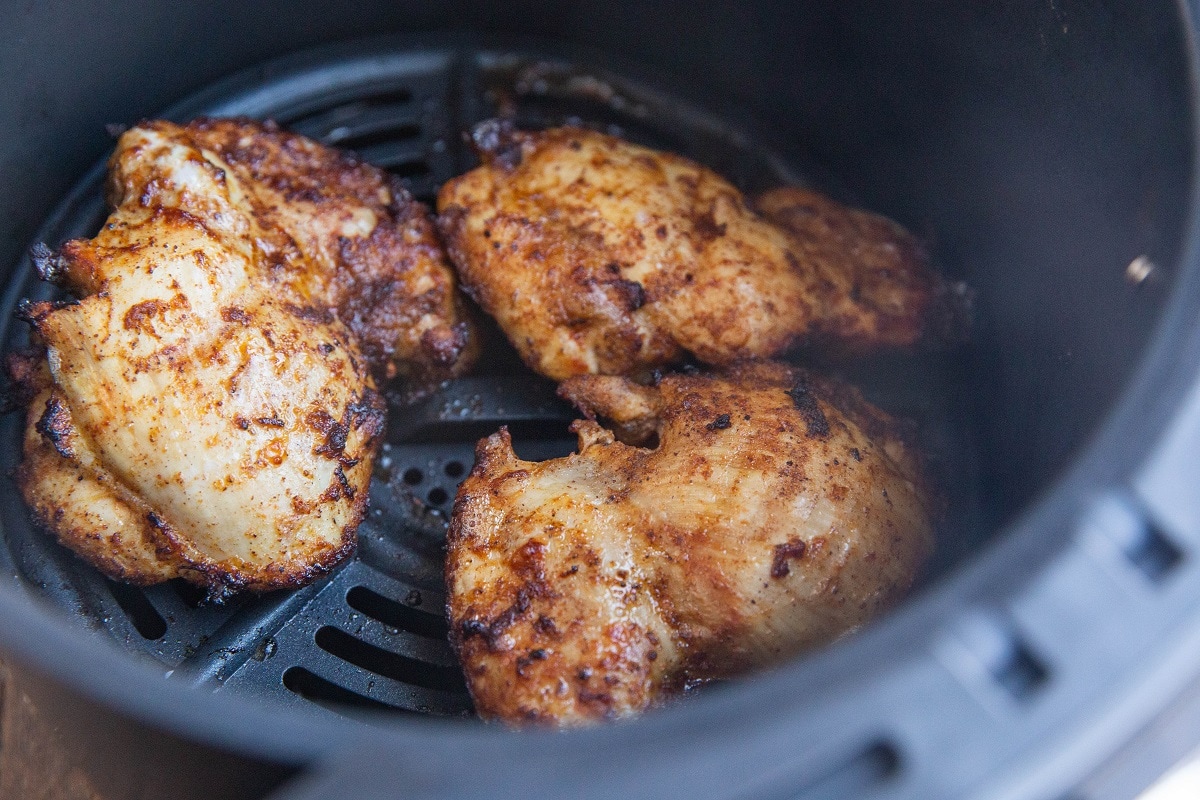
56	745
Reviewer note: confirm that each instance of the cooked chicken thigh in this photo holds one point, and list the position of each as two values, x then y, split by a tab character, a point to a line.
344	236
769	512
196	415
596	255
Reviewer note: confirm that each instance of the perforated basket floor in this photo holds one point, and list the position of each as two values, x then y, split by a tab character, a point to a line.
373	633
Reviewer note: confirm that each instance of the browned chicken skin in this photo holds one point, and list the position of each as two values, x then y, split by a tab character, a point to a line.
599	256
345	236
775	511
206	409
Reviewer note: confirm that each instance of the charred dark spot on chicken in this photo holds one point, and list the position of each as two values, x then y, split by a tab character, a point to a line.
55	426
492	630
33	312
792	550
632	293
49	266
719	424
814	418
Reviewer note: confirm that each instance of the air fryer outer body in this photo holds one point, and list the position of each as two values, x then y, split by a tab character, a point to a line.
1040	148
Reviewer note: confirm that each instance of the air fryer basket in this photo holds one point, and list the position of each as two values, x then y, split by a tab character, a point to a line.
373	635
1009	645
